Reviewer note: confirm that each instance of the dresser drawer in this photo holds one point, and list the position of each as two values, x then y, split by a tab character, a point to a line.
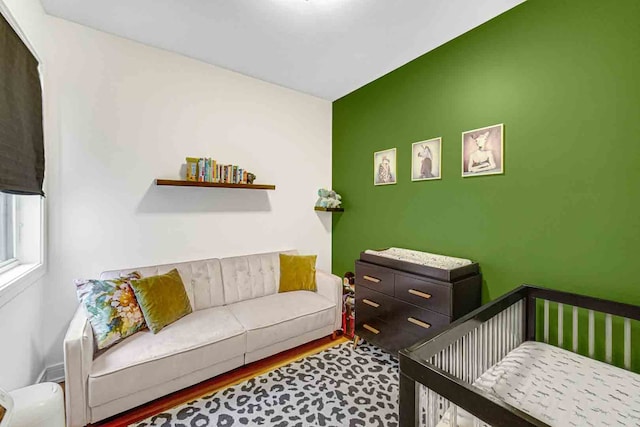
423	293
371	304
418	321
376	278
385	336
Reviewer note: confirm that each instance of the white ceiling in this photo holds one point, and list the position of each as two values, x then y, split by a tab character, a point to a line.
326	48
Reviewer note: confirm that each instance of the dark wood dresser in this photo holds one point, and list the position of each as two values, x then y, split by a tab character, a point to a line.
400	303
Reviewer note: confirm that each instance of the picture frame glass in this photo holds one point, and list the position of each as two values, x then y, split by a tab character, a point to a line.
483	151
384	167
426	160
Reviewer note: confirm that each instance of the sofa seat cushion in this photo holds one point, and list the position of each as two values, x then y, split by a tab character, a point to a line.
279	317
196	341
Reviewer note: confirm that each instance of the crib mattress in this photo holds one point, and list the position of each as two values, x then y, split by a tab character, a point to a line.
561	388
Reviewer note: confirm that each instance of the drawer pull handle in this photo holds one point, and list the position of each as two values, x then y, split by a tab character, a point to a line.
371	303
419	294
419	323
371	279
371	329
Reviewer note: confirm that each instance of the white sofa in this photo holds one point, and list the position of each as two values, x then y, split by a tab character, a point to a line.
238	317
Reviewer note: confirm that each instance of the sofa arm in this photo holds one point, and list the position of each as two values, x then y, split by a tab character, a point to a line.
330	287
78	357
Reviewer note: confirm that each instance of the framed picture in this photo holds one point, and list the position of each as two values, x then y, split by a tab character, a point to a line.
384	167
483	151
426	160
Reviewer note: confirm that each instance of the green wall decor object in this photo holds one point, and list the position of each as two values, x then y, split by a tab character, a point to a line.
563	77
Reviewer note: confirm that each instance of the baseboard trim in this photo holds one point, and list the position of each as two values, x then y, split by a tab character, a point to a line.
41	376
53	373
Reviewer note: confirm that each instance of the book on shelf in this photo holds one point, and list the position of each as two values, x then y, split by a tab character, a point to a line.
207	169
192	168
201	170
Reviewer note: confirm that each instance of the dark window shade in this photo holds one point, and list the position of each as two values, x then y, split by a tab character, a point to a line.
21	135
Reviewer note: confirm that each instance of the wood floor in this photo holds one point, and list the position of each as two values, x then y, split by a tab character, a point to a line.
225	380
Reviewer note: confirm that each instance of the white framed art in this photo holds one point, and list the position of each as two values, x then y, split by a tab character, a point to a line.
483	151
384	167
426	160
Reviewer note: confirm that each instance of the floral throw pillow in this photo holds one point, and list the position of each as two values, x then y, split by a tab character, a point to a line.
111	308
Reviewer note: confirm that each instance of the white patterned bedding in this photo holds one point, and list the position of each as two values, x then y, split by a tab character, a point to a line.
560	388
423	258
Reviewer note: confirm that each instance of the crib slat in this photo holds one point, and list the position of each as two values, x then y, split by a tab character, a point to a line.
463	365
490	332
433	401
458	357
444	360
627	344
505	333
521	331
608	338
464	357
476	360
454	362
504	329
560	324
512	326
451	360
447	359
508	330
467	358
499	333
454	415
487	350
575	329
592	334
482	348
546	321
516	324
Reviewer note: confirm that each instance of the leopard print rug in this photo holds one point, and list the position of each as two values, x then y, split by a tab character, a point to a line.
337	387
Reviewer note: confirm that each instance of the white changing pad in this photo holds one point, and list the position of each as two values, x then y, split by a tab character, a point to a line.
423	258
560	388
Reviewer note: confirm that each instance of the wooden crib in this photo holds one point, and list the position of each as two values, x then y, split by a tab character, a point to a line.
495	366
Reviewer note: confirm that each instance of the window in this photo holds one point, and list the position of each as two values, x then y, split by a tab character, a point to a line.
7	230
21	161
21	237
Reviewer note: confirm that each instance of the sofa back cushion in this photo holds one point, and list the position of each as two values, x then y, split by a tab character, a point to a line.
251	276
202	280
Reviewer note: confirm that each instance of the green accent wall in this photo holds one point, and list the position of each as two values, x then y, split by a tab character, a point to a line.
564	78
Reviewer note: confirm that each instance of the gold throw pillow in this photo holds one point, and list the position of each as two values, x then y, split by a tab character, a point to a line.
297	273
162	299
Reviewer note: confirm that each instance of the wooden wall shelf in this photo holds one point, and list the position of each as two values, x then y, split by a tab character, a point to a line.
180	183
318	208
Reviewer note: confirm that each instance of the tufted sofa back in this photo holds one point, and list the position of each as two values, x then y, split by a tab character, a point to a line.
202	280
214	282
251	276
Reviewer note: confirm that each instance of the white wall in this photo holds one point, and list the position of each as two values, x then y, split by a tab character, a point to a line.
21	347
119	115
